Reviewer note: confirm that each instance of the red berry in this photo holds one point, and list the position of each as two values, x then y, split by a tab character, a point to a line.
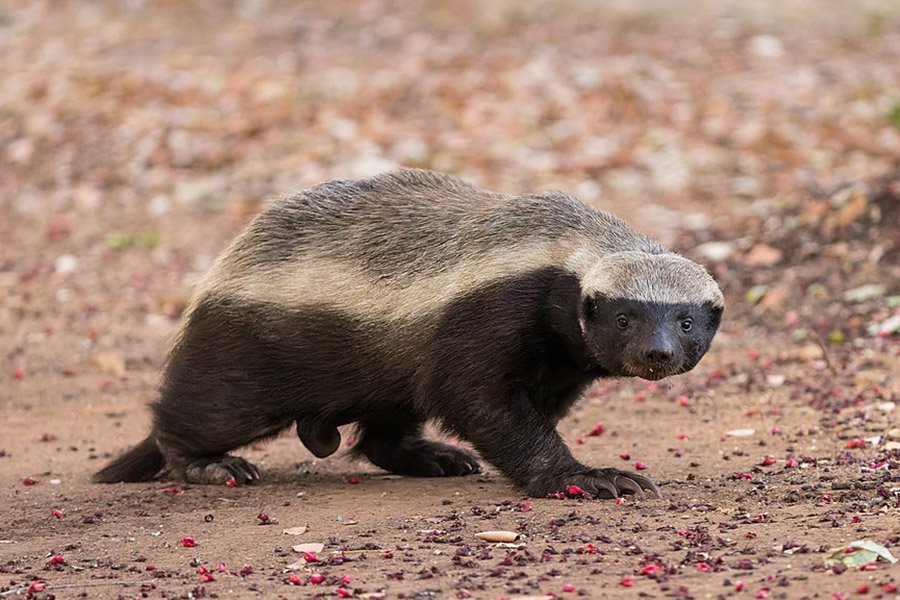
574	490
188	542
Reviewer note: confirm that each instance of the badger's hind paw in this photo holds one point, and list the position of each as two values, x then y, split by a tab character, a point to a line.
421	458
434	459
220	469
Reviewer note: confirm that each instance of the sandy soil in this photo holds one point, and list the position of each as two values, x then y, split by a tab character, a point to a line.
136	140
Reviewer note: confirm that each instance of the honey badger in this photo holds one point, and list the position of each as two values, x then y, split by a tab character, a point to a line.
414	296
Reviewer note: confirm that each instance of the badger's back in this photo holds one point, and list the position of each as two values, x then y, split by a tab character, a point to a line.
400	245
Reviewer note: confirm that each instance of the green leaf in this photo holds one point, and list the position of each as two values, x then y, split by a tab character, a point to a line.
859	553
756	293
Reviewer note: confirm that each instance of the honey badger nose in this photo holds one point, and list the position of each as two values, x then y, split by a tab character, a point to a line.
659	355
660	350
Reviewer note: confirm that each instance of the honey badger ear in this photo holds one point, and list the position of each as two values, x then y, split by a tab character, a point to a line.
715	314
589	308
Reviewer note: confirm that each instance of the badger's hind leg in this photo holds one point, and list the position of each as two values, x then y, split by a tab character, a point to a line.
399	447
204	464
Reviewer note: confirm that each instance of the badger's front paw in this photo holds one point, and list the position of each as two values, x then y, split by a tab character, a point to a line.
597	483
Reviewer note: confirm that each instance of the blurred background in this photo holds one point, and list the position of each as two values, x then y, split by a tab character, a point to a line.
760	138
173	104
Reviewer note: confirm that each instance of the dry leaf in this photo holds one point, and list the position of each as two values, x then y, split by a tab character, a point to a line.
762	255
110	363
740	432
295	530
311	547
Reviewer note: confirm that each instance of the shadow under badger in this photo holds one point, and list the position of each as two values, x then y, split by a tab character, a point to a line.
411	296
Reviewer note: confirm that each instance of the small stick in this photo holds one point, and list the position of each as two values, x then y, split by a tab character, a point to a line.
61	586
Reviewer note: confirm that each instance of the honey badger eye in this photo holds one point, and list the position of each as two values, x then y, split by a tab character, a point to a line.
622	321
687	324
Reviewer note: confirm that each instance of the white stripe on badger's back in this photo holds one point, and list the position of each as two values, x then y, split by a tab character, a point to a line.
414	224
404	244
323	283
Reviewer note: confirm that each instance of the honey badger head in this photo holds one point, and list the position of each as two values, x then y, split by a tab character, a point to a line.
648	315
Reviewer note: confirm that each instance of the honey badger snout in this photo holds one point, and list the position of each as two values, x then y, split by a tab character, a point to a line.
661	349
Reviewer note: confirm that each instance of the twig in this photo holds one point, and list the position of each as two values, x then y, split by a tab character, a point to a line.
819	342
61	586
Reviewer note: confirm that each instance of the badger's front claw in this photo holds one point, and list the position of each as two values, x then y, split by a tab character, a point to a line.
218	470
606	484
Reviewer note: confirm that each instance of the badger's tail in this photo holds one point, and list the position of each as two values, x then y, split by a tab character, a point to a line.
141	463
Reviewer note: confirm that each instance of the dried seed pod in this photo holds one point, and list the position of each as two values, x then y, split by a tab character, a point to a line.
498	536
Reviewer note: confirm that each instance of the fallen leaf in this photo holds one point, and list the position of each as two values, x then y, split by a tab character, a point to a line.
869	291
109	362
295	530
740	432
859	553
763	255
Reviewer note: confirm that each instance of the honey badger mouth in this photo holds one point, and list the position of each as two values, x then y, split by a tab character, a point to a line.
650	373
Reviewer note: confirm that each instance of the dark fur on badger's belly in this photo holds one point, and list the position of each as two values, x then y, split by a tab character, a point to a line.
247	371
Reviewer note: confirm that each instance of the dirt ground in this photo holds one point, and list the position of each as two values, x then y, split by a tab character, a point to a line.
136	139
